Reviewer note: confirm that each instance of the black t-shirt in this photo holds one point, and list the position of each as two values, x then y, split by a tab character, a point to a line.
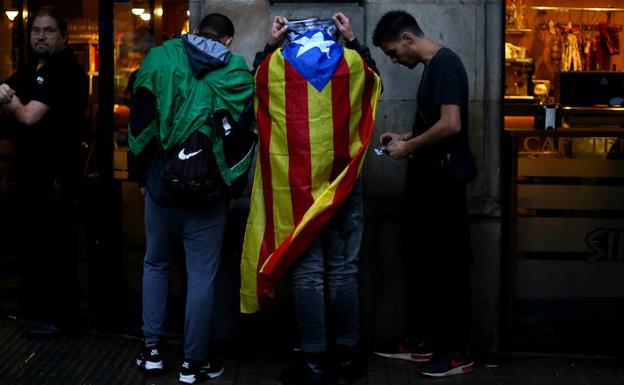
444	81
51	147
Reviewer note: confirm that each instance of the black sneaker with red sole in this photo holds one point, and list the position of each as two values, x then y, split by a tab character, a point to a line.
418	353
446	366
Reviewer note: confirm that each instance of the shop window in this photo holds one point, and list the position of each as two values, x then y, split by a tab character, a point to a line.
138	26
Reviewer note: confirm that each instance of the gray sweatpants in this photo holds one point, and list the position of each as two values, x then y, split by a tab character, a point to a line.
201	231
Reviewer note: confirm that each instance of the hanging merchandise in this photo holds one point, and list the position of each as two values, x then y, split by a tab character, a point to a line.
609	38
596	54
520	20
587	53
510	14
555	50
609	44
571	55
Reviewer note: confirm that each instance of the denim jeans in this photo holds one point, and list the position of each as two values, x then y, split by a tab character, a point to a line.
328	269
201	231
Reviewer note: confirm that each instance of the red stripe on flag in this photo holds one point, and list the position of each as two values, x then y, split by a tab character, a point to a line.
288	252
298	136
366	121
341	113
264	132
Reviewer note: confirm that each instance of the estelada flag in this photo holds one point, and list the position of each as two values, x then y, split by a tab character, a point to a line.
314	126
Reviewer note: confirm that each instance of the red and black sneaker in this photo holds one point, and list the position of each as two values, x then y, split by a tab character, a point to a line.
446	366
419	353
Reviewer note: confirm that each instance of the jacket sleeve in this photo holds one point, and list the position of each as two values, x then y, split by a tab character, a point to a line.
260	56
364	52
142	113
139	165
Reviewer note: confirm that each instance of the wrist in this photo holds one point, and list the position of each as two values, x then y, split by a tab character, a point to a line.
405	148
271	46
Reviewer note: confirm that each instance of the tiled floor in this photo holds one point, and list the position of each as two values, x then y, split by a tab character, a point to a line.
97	359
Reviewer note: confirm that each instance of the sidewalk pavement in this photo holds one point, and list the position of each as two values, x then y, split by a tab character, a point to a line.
97	359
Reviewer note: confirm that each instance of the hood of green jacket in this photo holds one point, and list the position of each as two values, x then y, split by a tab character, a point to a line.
205	54
190	79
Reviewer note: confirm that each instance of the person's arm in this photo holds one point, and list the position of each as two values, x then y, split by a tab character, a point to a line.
28	114
388	137
138	165
260	56
142	113
344	27
39	103
276	38
364	52
448	91
6	94
448	125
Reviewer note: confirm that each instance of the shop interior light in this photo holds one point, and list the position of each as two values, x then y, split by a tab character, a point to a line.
145	16
188	13
158	11
11	14
137	11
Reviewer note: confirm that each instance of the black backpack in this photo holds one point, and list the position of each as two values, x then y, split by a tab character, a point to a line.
191	170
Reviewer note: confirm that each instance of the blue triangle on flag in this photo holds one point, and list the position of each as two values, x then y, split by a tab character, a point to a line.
315	55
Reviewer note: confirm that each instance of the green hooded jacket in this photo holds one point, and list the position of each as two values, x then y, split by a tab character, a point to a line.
190	83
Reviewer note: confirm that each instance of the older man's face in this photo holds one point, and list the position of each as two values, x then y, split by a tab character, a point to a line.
46	37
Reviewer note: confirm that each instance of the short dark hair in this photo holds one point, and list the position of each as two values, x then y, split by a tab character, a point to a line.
216	25
55	14
392	25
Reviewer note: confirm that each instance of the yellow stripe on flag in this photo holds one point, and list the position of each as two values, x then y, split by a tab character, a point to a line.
254	232
356	85
321	142
282	204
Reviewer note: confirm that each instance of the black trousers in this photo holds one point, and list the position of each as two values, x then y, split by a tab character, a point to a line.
48	251
437	258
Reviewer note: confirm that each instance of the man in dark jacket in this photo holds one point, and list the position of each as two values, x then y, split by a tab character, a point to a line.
47	99
188	92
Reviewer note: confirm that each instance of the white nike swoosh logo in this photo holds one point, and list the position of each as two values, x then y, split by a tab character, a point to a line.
183	156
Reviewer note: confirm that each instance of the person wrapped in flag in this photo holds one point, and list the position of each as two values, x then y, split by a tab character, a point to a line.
315	104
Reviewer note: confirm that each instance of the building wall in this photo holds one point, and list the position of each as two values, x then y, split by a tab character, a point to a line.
473	29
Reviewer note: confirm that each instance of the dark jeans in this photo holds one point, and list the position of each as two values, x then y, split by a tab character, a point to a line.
331	265
48	252
438	264
201	231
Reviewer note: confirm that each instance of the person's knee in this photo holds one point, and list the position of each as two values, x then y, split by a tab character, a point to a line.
156	264
308	279
342	281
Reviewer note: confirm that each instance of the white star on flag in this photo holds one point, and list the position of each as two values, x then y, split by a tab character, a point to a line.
317	40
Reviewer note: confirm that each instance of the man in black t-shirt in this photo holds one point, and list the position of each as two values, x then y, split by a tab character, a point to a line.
439	166
47	99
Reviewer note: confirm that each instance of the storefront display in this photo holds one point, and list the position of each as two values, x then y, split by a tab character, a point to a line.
563	101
